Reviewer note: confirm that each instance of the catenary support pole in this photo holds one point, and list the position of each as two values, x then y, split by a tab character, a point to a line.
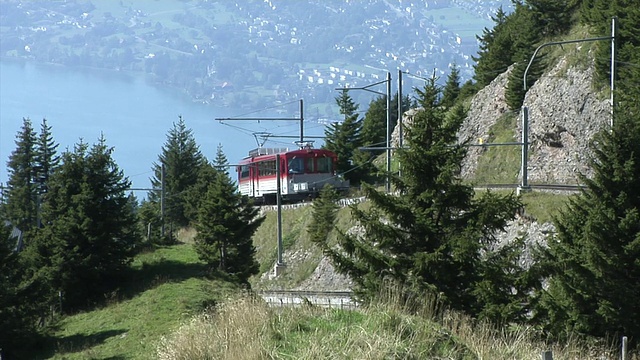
279	206
613	63
162	171
400	114
388	182
525	147
301	122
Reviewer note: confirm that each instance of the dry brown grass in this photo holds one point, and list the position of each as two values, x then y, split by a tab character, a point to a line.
235	330
245	328
186	235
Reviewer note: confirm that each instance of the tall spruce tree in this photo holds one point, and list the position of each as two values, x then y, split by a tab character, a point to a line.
344	138
451	88
89	228
17	319
207	175
46	159
182	161
494	56
592	261
21	206
374	124
434	234
523	46
226	221
374	133
325	211
598	14
553	16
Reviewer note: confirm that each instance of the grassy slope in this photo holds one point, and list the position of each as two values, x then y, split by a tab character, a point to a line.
500	164
296	244
166	289
247	329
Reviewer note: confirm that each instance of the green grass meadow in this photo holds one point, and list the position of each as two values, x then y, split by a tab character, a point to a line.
168	286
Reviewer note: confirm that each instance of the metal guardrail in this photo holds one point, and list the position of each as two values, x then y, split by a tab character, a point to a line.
326	299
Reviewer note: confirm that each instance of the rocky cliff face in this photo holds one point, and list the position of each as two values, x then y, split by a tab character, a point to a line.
564	114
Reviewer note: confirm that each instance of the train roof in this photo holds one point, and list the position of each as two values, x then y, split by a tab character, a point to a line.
259	153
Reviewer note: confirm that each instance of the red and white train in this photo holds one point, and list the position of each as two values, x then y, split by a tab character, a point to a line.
303	173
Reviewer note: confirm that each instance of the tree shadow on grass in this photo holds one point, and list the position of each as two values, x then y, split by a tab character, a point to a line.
151	275
78	343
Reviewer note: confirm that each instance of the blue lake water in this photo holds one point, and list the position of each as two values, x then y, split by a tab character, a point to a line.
133	115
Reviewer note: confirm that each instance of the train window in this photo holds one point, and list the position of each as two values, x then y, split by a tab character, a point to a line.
310	165
266	168
296	166
244	171
324	165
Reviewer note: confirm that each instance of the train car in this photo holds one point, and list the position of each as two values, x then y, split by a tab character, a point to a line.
302	173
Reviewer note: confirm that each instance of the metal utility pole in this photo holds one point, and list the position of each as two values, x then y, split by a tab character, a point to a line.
279	262
525	110
162	201
613	63
525	149
388	182
400	114
388	136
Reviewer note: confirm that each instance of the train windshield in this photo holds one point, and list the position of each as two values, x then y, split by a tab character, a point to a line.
310	165
296	166
325	165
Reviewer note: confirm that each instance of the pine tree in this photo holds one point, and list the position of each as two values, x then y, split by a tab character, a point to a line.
451	88
374	124
553	17
221	163
346	104
89	227
46	159
494	56
21	195
598	14
182	161
434	235
16	322
207	175
523	47
592	261
343	139
325	211
225	223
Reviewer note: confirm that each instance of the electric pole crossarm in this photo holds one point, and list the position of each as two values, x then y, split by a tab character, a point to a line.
366	88
258	119
558	43
300	119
